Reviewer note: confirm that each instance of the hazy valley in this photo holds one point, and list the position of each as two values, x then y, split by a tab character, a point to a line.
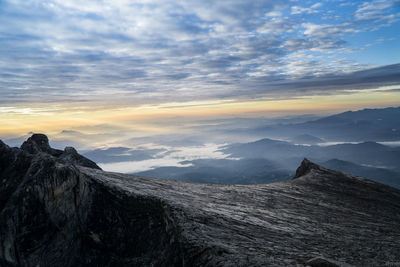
374	154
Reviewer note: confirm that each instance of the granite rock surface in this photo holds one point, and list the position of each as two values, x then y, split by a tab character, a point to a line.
58	208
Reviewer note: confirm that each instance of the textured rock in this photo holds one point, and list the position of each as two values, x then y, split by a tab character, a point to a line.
37	143
55	211
70	155
306	167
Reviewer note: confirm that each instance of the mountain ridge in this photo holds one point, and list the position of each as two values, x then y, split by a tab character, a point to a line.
361	125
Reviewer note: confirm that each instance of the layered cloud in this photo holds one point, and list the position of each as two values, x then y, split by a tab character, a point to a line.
149	51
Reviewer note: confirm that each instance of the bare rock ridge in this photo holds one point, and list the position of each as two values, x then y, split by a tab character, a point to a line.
305	167
39	143
58	208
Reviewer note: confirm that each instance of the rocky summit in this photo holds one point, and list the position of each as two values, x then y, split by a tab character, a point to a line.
58	208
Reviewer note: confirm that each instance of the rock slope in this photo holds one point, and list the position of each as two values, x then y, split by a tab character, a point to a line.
58	208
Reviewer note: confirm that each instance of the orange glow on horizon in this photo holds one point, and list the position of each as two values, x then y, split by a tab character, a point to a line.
20	120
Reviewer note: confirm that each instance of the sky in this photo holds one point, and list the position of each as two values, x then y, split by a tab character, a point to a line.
103	67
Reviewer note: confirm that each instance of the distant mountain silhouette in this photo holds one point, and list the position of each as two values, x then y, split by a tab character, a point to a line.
368	153
224	171
362	125
385	176
306	139
368	159
118	154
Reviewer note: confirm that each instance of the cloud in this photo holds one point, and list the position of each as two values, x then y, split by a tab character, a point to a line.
274	13
379	13
295	10
276	26
325	30
330	83
134	52
176	157
373	10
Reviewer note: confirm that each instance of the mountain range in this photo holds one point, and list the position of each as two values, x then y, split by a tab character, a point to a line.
224	171
267	160
362	125
363	142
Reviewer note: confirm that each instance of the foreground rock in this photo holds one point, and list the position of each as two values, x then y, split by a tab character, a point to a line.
57	208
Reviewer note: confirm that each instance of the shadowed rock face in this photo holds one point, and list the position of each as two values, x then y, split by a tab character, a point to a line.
58	209
37	143
306	167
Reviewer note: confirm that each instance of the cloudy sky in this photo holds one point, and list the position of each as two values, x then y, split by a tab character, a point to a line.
128	65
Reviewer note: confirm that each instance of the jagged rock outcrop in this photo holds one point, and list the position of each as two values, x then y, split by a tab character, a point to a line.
59	209
39	144
306	167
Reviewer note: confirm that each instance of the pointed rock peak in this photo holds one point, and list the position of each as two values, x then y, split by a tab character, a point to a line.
305	167
36	143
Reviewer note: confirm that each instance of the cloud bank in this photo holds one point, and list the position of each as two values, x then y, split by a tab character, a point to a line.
152	51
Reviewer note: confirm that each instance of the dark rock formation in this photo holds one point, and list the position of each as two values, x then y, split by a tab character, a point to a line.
59	209
39	143
305	167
